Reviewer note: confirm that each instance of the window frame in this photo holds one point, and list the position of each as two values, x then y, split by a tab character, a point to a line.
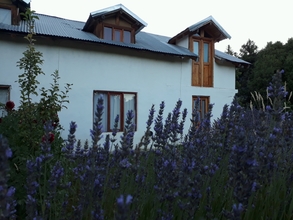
198	76
121	29
108	108
207	103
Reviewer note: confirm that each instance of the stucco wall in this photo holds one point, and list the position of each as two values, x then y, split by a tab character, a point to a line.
89	67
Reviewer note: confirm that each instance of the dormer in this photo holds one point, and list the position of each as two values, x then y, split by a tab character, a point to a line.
116	23
10	11
201	39
207	28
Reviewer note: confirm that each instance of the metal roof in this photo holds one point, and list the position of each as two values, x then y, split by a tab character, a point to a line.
64	28
118	7
206	21
203	23
224	56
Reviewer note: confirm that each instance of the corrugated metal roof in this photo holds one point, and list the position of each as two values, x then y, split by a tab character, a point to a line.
195	27
59	27
207	20
64	28
111	9
220	55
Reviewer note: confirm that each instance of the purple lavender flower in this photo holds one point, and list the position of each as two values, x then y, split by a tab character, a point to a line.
128	134
96	132
237	210
123	203
125	163
7	202
8	153
115	127
158	128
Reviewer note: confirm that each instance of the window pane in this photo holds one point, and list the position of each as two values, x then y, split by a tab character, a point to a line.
117	35
5	16
105	112
4	94
205	52
129	103
107	33
127	37
114	109
195	49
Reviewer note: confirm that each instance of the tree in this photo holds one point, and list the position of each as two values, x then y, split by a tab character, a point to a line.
288	64
248	52
269	61
230	51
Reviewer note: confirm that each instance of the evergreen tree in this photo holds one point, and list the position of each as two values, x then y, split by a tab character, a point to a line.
248	52
230	51
269	61
288	64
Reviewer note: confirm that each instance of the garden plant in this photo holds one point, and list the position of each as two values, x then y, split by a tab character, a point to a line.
238	166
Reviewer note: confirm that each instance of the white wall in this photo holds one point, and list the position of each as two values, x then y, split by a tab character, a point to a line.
89	67
183	42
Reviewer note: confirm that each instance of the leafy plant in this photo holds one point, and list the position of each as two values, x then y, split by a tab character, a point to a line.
24	126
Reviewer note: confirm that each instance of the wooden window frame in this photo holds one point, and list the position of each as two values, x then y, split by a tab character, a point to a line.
199	75
108	108
15	18
121	29
207	103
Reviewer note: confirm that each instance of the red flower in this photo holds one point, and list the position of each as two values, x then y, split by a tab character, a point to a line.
51	138
9	105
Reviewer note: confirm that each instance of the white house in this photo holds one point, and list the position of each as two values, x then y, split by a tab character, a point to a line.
110	55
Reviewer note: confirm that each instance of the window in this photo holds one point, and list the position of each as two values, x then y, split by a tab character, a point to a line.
115	103
202	67
4	97
5	16
117	34
203	107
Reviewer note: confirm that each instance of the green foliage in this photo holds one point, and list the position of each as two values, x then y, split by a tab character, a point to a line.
269	60
264	63
24	127
230	51
248	52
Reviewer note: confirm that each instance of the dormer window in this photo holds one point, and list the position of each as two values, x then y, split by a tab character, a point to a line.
117	34
10	11
5	16
116	23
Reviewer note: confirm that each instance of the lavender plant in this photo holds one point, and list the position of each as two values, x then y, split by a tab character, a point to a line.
7	201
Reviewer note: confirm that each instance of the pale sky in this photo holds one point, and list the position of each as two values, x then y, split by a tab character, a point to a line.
260	20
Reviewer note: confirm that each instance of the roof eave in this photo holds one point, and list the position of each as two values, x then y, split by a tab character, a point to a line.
235	63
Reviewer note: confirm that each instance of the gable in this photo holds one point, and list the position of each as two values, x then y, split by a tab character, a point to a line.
123	24
209	26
